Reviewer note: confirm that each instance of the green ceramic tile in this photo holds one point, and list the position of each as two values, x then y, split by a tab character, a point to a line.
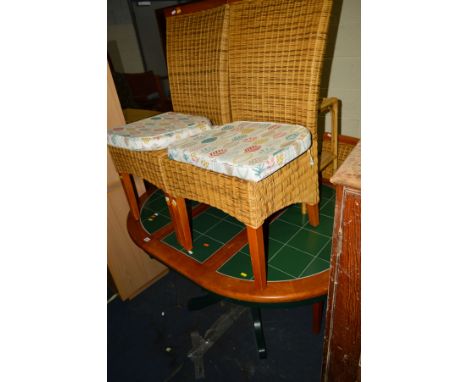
245	250
276	275
325	227
318	265
294	216
215	212
192	203
146	213
282	231
153	225
150	200
322	202
203	248
196	234
325	253
326	192
295	206
158	205
291	261
204	222
273	247
308	241
154	196
172	241
232	220
163	211
238	266
224	231
328	207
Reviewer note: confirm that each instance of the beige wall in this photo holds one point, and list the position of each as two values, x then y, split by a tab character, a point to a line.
345	61
150	38
122	43
123	48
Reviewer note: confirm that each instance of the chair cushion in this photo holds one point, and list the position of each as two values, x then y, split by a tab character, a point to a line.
156	133
247	150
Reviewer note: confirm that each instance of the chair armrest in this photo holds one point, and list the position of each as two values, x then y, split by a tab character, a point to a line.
327	104
332	105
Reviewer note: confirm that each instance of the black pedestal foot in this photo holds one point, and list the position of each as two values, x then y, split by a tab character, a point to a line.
258	328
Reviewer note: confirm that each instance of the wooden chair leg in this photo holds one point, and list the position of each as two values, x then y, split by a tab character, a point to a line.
175	221
257	256
180	221
180	208
317	310
131	194
313	212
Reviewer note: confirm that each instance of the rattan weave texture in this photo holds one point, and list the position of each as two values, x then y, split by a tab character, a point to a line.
249	202
145	164
276	50
197	63
197	60
343	151
275	60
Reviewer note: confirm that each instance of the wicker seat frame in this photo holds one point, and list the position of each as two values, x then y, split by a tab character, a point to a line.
197	64
275	55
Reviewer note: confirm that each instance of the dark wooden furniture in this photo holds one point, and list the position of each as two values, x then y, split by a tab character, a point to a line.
342	344
142	91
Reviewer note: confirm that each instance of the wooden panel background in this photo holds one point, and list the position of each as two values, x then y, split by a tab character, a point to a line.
342	343
132	269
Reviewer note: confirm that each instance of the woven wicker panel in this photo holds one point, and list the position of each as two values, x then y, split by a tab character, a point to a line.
249	202
145	164
197	63
276	50
343	151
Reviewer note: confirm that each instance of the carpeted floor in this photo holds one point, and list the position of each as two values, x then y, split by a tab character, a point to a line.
149	339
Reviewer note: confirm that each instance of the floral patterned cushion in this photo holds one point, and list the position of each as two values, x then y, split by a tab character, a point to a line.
156	133
247	150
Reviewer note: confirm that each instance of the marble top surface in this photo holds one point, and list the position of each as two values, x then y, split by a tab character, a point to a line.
349	173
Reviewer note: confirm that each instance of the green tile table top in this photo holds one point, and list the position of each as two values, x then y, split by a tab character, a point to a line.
154	213
295	249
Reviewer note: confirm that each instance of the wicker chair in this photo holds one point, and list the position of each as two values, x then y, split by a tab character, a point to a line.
276	51
196	53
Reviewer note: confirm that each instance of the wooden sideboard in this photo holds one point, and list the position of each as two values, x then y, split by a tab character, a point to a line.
342	343
131	269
